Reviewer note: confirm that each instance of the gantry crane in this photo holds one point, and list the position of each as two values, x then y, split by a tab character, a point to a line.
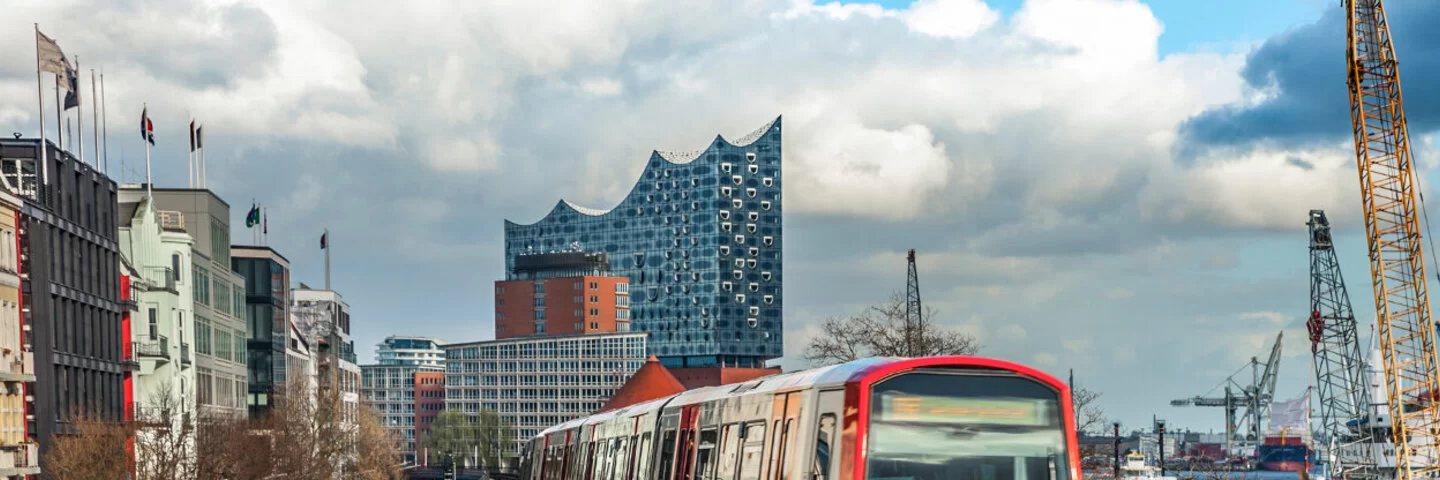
1254	398
1340	374
1392	229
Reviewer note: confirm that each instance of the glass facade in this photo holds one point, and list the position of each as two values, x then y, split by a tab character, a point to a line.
537	382
267	309
700	239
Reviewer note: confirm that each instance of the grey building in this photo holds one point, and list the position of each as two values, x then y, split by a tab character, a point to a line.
70	286
537	382
219	293
391	390
267	313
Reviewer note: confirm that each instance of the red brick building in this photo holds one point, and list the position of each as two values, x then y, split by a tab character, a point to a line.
561	294
429	401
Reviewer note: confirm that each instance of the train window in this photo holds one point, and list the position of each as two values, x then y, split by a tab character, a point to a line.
823	439
667	454
752	454
621	455
705	454
642	457
933	424
729	452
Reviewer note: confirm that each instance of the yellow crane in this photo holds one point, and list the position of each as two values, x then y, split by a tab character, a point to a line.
1388	190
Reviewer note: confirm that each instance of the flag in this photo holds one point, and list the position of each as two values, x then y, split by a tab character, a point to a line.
253	217
1292	415
147	128
52	59
200	137
192	135
323	238
72	94
265	223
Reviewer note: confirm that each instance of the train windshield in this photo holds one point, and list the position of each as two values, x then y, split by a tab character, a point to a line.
932	426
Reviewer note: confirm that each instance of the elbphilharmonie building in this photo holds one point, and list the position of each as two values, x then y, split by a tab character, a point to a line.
699	237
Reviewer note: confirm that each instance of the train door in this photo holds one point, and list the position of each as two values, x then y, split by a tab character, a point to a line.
785	412
666	448
829	405
689	422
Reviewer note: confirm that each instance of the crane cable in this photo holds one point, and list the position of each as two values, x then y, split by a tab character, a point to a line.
1420	179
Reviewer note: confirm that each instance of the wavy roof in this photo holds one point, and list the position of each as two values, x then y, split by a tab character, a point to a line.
671	157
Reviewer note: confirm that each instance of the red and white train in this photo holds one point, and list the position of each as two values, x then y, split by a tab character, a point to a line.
929	418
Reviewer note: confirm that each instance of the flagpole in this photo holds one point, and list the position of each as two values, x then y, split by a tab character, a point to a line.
59	114
105	126
190	161
95	115
40	95
149	188
200	142
327	259
79	111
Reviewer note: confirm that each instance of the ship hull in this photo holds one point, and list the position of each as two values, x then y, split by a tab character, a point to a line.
1282	466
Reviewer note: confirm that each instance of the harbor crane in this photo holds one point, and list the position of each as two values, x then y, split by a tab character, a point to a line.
1388	193
1253	398
1340	373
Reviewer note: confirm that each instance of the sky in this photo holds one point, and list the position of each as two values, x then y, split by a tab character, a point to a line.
1110	186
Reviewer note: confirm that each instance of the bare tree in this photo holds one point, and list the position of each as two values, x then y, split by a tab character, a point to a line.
882	331
164	438
94	449
227	447
1089	415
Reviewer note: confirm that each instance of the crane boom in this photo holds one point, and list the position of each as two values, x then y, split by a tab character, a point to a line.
1340	375
1397	268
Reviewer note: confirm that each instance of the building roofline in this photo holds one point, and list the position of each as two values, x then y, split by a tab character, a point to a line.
141	187
574	336
672	158
259	248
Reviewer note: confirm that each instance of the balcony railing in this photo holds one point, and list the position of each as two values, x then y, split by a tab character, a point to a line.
185	353
172	220
158	347
161	278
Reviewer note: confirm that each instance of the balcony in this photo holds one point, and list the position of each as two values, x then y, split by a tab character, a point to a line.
185	354
160	278
153	348
172	221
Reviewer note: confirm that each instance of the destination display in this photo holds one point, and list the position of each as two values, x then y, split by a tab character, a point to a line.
960	410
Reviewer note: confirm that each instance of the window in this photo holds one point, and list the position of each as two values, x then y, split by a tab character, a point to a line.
754	169
764	204
175	266
767	181
705	454
752	453
154	324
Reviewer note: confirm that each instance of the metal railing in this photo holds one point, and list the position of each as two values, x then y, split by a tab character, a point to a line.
171	220
185	353
158	347
161	278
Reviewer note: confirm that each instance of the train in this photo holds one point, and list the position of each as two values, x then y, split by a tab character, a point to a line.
875	418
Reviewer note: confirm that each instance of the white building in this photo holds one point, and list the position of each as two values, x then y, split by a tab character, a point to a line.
324	317
217	295
157	250
300	361
537	382
402	350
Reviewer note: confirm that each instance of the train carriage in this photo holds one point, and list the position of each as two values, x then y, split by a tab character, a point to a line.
881	418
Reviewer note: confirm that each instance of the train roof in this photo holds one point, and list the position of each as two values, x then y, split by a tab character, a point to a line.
832	375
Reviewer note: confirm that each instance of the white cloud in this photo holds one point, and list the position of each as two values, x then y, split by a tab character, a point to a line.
950	18
1044	359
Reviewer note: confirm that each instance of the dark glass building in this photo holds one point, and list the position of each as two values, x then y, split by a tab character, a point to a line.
267	311
699	237
70	285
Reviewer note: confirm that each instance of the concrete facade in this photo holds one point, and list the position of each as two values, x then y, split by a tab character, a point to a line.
402	350
537	382
217	295
19	455
70	290
324	317
392	390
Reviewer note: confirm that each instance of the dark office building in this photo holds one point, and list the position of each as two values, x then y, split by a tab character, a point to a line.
71	290
267	311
